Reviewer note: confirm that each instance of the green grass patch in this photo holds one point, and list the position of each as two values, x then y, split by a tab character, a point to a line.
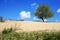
35	35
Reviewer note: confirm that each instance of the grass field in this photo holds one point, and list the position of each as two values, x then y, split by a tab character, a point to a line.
35	35
30	26
28	30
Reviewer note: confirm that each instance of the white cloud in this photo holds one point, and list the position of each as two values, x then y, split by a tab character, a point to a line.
24	14
58	10
33	4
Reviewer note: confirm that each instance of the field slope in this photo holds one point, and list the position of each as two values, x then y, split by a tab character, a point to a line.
30	26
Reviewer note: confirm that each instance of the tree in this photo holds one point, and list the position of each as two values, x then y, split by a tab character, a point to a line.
43	12
1	19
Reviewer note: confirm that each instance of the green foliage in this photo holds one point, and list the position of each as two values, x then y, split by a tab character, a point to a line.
43	12
36	35
20	20
6	31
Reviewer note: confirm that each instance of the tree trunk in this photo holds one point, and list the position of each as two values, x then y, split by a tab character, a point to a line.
43	19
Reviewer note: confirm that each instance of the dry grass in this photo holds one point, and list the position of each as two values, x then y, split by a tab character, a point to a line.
30	26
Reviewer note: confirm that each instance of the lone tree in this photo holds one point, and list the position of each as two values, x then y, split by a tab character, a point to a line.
43	12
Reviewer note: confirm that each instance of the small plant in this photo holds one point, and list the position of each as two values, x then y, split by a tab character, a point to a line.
6	31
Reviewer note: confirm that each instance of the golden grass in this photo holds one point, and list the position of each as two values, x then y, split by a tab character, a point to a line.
30	26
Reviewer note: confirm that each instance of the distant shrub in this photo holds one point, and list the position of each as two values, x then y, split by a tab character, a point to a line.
20	20
1	19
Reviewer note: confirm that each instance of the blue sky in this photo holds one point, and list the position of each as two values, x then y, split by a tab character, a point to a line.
24	9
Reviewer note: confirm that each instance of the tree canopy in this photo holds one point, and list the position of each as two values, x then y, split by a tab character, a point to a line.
43	12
